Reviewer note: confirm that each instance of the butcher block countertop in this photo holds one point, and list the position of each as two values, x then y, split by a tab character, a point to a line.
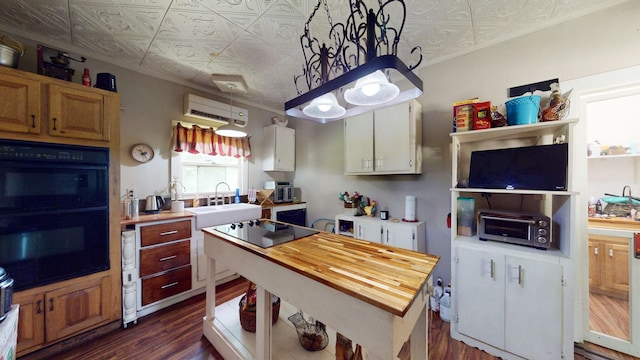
614	223
386	277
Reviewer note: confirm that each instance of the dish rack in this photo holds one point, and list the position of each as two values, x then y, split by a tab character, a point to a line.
312	336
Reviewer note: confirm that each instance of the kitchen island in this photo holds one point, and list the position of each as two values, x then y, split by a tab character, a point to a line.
372	293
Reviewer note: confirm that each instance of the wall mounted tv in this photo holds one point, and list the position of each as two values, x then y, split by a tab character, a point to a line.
541	167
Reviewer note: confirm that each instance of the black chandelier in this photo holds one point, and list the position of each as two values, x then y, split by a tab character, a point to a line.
362	51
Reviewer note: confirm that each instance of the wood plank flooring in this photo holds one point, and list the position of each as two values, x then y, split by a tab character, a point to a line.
175	333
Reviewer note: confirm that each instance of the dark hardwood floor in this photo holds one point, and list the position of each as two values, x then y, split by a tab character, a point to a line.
175	333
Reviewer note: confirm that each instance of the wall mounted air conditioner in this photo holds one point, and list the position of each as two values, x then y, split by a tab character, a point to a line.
207	109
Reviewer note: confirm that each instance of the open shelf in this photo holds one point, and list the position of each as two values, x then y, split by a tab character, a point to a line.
513	131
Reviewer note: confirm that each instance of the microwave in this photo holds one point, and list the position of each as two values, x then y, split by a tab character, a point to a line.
516	227
282	191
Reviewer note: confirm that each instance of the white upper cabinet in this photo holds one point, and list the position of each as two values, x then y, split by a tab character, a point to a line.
279	148
384	141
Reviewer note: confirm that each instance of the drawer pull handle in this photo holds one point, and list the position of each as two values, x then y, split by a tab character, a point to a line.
169	257
169	232
169	285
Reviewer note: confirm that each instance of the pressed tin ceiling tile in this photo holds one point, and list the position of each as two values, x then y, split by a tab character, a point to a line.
188	40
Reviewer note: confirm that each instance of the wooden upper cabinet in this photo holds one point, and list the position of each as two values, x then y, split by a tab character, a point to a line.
78	113
20	107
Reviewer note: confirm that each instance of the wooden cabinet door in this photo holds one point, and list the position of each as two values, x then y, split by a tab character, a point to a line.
358	144
30	321
533	308
480	295
78	113
20	105
616	269
75	308
595	265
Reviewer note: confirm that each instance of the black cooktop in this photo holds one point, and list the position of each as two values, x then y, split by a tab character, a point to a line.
264	233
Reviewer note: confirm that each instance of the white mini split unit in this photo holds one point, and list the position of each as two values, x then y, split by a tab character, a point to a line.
207	109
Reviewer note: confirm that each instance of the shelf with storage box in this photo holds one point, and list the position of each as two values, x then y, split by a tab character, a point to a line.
406	235
384	141
500	274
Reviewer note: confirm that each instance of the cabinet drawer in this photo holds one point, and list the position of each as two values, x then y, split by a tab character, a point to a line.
162	286
157	234
164	257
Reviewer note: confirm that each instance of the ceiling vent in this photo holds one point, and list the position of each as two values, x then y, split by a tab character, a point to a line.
207	109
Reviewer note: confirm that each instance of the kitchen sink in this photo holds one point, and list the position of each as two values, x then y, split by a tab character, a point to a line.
207	216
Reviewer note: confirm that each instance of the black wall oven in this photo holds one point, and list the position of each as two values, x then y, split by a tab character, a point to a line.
54	211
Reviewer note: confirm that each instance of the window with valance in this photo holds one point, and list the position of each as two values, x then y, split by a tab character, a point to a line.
200	140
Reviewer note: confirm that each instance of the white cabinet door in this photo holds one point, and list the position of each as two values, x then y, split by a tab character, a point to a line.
392	139
509	302
368	230
533	310
358	144
399	235
480	295
279	148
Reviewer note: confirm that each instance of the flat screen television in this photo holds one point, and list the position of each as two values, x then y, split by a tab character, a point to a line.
541	167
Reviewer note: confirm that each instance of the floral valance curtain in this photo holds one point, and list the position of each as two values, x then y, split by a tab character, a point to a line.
197	140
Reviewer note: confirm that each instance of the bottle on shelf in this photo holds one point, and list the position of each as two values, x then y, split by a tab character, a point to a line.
598	207
592	206
86	78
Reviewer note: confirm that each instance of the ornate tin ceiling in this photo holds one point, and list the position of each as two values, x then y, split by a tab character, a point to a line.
189	40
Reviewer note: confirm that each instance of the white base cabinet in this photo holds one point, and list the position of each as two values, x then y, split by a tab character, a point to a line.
406	235
510	302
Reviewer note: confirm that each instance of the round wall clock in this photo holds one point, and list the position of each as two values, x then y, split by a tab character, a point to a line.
142	152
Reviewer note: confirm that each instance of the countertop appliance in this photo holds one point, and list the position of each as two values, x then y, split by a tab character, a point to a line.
264	233
282	191
516	227
154	204
6	294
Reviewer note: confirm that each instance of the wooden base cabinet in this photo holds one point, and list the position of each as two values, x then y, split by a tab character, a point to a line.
500	302
609	264
60	313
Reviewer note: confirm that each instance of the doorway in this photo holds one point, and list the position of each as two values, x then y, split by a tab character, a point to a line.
612	296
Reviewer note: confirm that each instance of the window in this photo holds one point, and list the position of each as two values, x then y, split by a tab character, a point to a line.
199	173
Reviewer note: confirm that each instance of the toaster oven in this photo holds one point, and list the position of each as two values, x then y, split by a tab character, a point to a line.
282	191
516	227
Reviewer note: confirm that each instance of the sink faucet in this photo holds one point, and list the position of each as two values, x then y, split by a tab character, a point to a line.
215	198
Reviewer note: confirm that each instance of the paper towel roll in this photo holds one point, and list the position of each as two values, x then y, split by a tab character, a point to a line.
410	208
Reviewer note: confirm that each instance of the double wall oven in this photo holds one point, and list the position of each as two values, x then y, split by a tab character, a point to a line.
54	211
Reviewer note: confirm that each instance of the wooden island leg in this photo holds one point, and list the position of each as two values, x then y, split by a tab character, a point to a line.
263	323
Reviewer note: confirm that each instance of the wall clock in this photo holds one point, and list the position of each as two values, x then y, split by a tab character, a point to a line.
142	152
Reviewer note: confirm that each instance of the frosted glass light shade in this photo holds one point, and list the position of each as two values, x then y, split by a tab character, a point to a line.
230	131
324	107
372	89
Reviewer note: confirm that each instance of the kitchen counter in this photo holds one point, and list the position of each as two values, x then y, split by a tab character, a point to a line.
615	223
163	215
372	293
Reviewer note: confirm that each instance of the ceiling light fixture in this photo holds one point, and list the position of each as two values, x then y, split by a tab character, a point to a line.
363	51
230	130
